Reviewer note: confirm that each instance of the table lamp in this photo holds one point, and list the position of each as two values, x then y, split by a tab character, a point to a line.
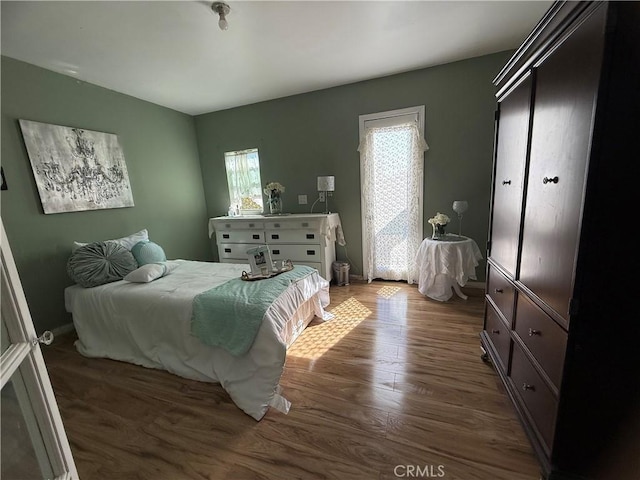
326	184
460	206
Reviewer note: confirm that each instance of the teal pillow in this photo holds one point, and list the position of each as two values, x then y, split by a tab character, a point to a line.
99	263
148	252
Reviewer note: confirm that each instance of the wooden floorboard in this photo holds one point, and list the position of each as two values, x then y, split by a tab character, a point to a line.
393	384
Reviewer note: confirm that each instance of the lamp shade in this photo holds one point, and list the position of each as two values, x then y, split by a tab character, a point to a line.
460	206
326	184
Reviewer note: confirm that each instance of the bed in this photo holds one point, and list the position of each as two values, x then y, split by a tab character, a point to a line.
149	324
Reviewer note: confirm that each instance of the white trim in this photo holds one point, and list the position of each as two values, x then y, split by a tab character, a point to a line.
63	329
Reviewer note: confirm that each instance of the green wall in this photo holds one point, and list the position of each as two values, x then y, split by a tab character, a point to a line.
303	136
161	153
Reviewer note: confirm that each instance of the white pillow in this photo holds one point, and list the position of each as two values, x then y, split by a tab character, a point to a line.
150	272
127	242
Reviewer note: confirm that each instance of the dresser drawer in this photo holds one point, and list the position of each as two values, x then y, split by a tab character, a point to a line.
297	253
538	399
498	332
293	224
235	251
546	340
292	236
240	236
239	225
501	292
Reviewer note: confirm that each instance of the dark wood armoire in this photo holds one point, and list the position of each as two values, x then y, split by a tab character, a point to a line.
562	320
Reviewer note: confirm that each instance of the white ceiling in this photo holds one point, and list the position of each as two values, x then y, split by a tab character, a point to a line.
172	53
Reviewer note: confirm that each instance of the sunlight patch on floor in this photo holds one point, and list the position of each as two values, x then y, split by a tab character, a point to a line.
388	292
315	341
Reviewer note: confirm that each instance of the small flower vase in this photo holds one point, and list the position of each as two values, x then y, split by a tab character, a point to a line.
438	232
275	203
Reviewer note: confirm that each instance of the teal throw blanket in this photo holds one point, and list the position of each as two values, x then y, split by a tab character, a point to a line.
230	315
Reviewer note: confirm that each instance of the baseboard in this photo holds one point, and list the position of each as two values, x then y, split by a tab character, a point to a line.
62	329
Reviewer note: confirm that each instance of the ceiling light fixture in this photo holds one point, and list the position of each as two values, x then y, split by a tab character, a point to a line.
223	10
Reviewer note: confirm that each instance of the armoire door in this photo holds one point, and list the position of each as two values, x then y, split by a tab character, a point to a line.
511	155
563	115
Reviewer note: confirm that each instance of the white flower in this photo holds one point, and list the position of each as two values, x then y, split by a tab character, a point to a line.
439	219
273	187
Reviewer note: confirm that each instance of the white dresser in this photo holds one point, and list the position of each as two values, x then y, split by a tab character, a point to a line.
305	239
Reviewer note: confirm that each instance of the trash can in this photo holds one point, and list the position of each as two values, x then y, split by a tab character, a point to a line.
341	273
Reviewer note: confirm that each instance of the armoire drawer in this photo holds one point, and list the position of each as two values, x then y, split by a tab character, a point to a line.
292	236
498	332
544	338
297	253
538	399
240	236
501	292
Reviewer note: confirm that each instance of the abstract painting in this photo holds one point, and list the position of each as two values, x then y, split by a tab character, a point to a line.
76	169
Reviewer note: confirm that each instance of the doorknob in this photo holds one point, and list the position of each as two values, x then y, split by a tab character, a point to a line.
46	338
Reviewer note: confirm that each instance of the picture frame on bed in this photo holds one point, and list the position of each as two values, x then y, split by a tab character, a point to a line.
260	260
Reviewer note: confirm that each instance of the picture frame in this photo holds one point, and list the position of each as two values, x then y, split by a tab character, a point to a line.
260	260
76	169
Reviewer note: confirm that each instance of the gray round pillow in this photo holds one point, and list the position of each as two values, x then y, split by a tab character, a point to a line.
99	263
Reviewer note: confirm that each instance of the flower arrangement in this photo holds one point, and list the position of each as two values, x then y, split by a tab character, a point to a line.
439	222
440	219
273	188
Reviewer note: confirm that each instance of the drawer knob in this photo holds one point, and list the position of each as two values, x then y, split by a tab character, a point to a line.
499	290
506	182
526	386
495	330
533	332
546	180
276	252
227	250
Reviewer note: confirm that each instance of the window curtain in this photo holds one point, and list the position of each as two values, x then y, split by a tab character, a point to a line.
241	172
392	168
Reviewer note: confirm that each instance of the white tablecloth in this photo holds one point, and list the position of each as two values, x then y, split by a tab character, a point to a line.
442	262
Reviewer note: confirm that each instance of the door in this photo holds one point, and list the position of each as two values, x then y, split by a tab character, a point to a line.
563	114
392	165
34	443
511	156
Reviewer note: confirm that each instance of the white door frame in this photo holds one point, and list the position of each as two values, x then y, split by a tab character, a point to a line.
390	117
23	352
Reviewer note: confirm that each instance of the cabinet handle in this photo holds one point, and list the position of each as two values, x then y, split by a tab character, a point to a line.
546	180
225	235
526	386
275	236
256	236
506	182
227	250
311	252
499	290
276	252
310	236
533	332
496	331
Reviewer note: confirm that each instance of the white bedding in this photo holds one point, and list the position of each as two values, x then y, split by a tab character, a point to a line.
149	324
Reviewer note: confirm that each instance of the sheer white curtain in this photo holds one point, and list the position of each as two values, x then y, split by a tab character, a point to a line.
243	178
392	168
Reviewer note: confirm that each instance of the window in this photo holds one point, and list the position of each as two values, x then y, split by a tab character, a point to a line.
243	178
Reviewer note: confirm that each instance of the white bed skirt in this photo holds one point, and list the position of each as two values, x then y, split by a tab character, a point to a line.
150	325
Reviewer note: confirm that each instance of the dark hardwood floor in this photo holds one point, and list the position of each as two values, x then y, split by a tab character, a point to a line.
393	387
